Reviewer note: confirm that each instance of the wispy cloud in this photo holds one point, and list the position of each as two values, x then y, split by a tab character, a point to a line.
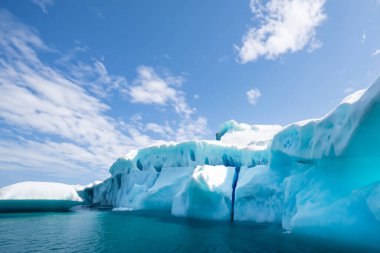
376	52
150	88
253	96
43	4
53	119
93	74
98	13
284	26
364	37
38	98
185	129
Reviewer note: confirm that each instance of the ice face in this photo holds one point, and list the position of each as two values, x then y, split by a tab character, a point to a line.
141	178
207	194
169	183
258	195
39	196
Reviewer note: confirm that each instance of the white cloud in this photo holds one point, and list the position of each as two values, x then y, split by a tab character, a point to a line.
364	37
43	4
253	96
284	26
376	52
149	88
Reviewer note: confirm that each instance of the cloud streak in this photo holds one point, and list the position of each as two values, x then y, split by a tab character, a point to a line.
43	4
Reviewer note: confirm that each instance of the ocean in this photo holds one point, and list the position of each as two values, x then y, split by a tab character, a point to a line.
92	230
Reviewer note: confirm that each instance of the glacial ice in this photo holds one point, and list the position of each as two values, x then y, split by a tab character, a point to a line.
39	196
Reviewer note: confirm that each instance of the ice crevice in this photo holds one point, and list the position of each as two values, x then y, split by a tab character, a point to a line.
234	184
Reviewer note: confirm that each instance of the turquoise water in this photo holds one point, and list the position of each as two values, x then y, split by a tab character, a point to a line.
106	231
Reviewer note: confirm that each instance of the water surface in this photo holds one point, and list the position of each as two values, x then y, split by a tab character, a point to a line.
106	231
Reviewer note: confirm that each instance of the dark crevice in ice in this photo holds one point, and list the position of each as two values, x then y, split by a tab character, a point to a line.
192	155
118	181
234	184
139	165
158	167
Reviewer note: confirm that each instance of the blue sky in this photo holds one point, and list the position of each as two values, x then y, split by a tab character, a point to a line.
83	82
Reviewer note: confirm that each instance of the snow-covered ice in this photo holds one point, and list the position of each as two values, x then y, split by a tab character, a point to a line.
39	196
256	137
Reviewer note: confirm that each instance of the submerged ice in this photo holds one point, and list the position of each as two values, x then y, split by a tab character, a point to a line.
321	173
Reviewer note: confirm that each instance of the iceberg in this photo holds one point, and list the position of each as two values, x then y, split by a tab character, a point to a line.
39	196
315	173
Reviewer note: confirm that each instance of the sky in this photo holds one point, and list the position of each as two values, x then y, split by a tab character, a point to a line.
84	82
